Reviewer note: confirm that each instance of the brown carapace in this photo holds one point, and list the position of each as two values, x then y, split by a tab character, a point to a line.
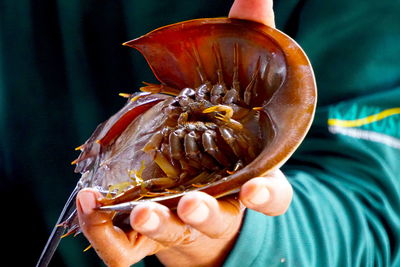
235	99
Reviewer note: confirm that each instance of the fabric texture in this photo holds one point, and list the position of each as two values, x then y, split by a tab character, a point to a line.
345	176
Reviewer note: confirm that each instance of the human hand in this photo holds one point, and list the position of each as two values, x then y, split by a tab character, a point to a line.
203	230
201	233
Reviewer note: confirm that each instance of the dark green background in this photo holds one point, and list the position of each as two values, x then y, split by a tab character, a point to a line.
62	66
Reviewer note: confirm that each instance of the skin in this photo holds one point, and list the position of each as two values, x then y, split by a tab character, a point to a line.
203	230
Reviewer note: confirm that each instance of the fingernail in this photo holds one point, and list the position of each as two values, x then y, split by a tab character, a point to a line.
199	214
87	201
260	196
152	222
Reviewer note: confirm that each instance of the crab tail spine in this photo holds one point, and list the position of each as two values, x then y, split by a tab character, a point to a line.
58	230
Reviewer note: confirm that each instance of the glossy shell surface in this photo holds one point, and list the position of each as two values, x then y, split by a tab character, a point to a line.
182	56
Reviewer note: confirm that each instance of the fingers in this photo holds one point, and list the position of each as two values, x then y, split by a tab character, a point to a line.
216	219
200	233
200	218
115	247
256	10
160	224
270	195
197	210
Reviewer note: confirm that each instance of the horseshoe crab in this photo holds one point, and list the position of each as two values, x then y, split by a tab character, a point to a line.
235	100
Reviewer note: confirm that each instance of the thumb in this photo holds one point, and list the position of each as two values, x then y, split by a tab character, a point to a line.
115	247
255	10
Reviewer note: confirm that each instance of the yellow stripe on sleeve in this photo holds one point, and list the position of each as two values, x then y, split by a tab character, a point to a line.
369	119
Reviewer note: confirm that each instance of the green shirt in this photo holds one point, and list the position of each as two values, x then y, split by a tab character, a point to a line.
346	175
62	66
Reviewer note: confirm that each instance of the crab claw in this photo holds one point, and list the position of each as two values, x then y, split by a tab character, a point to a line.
227	117
221	108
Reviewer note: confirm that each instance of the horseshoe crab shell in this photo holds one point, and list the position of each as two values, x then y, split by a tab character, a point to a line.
181	55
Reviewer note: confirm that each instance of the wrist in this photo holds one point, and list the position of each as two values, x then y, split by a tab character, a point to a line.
204	251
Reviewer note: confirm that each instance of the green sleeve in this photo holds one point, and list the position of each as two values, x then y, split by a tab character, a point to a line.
346	205
346	174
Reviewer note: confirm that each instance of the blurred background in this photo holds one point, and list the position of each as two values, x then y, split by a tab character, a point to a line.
62	66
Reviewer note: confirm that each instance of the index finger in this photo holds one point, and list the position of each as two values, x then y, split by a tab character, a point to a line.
255	10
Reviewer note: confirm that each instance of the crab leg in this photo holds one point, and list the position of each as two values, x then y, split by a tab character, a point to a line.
153	148
135	96
175	145
230	139
160	183
202	91
217	54
221	108
238	166
185	96
177	152
211	147
216	93
159	88
154	142
248	144
187	169
195	163
231	96
235	79
250	89
208	162
191	148
227	118
196	158
183	118
205	87
137	191
128	195
203	176
199	67
218	89
165	165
